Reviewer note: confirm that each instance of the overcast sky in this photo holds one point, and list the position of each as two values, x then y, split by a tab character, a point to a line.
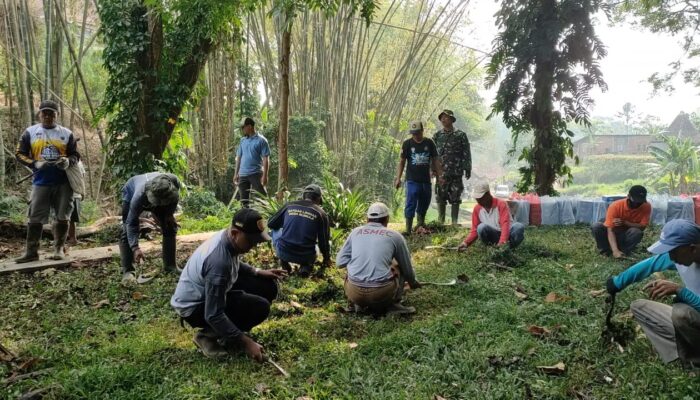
633	55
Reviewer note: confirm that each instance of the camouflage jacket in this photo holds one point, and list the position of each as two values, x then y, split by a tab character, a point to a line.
454	151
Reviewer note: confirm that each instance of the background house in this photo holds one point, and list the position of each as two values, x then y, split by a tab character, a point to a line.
592	145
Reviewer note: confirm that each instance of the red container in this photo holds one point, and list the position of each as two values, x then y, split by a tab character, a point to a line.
696	204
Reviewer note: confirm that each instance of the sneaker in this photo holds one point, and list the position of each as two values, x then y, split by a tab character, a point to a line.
400	309
128	279
209	346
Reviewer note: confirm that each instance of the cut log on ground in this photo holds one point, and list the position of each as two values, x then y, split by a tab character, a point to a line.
92	255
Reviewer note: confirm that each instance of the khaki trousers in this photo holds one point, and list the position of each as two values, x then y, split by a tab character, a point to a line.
673	330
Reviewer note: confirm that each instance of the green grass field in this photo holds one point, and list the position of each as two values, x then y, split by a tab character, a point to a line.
470	341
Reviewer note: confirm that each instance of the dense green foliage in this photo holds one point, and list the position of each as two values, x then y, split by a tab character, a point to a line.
546	58
309	159
136	348
610	168
676	162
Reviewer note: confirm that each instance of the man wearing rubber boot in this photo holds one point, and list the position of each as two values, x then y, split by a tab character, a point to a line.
48	149
418	156
223	296
296	227
456	160
158	193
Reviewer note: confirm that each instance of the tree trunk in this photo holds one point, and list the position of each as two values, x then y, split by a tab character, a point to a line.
541	114
285	50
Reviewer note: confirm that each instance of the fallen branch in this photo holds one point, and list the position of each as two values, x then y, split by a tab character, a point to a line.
16	378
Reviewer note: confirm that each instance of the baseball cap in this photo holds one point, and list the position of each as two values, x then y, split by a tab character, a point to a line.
415	127
314	189
49	105
480	189
638	194
377	210
246	121
448	112
251	223
163	190
676	233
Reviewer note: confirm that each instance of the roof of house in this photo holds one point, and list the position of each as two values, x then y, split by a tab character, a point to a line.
612	136
682	126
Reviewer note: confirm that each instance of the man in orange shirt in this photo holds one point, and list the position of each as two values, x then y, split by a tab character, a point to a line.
624	225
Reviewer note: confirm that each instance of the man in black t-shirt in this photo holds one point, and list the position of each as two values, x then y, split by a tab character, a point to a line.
421	154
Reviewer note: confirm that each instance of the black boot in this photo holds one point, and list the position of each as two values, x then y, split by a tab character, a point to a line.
409	226
455	214
126	255
169	257
441	212
34	232
421	220
60	231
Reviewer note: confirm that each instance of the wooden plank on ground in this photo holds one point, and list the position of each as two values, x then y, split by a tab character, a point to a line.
93	254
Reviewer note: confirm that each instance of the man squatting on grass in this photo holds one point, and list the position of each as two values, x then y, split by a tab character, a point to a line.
421	154
492	222
295	229
48	149
158	193
378	263
224	296
625	223
673	330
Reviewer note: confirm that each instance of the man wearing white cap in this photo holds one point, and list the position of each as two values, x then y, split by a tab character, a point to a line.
492	222
674	330
378	263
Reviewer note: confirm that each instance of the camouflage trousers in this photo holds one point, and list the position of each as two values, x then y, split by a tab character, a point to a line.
450	191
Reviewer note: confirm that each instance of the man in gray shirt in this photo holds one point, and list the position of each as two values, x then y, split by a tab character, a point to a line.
224	296
378	263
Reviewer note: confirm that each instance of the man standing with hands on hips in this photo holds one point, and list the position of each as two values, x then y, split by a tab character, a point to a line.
456	160
252	162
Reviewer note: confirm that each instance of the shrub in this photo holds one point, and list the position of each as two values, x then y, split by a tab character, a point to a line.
12	207
200	202
345	208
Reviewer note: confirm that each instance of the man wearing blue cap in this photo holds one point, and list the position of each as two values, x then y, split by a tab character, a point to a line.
673	330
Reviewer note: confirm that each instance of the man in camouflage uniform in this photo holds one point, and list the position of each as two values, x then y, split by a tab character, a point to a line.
456	159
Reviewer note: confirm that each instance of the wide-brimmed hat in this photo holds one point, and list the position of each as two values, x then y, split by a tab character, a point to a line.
251	223
448	112
163	190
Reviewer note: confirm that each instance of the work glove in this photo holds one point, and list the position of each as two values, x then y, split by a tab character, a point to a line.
39	164
610	286
63	163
